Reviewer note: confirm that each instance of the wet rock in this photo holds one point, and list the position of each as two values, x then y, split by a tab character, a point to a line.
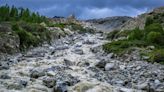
90	42
78	51
96	49
138	68
67	78
68	62
101	64
4	67
5	76
78	44
109	66
143	86
60	87
50	73
23	82
83	64
62	47
49	82
120	83
57	68
37	73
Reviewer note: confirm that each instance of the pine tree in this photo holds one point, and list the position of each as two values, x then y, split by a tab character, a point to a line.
14	13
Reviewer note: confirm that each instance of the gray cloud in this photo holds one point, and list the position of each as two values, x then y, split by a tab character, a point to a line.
85	9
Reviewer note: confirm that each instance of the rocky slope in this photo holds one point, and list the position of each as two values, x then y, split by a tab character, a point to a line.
109	23
127	23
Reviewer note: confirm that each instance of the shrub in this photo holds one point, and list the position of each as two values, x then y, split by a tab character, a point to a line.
32	27
79	28
157	56
136	34
155	38
155	27
27	39
149	20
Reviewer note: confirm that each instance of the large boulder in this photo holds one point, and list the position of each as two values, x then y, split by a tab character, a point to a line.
92	87
36	73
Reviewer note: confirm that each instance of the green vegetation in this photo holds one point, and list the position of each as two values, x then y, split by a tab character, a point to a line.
30	27
30	34
73	27
117	34
19	14
25	24
81	29
155	38
157	56
136	34
152	35
121	46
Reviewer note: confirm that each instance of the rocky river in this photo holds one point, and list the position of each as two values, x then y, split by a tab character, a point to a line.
77	63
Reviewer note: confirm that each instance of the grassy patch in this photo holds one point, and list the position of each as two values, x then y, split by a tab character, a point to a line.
121	46
117	34
157	56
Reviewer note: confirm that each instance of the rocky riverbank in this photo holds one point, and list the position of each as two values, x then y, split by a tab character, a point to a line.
78	64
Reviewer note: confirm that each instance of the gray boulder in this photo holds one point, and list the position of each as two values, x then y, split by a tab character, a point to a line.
37	73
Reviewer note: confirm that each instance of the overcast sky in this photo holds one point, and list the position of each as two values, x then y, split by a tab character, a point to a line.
87	9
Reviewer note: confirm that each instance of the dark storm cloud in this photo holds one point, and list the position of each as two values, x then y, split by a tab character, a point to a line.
85	9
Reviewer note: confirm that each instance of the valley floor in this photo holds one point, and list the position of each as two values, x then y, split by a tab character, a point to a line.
77	64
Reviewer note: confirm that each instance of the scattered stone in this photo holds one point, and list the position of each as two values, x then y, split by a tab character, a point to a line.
90	42
143	86
79	51
78	45
49	82
4	67
23	82
37	73
60	87
5	76
62	47
50	73
96	49
101	64
68	62
138	68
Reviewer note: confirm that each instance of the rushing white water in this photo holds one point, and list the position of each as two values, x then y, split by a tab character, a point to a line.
21	70
74	53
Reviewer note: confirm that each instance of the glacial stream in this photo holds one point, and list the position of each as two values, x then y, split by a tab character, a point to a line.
69	65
